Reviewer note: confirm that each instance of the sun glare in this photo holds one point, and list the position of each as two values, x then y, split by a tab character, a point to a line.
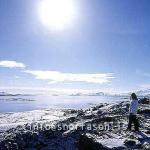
56	14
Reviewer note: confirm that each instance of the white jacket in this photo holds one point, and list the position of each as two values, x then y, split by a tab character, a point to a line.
134	107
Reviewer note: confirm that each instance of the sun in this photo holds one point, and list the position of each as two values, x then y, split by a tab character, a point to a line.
56	14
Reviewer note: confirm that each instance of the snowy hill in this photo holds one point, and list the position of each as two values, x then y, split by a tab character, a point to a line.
144	92
72	129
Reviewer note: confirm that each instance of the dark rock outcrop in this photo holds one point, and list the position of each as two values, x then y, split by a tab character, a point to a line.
86	143
144	101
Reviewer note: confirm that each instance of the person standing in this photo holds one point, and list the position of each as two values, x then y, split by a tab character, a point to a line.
133	113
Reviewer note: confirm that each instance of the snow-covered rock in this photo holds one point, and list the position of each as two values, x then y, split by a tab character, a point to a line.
101	127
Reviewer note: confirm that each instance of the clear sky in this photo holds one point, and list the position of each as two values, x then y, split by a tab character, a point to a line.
105	46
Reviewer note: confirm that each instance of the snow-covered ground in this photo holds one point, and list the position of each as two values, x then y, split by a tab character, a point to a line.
84	132
9	120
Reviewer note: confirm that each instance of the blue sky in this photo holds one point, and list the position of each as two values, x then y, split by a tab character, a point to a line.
105	47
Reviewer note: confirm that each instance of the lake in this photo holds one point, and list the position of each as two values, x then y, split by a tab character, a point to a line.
28	103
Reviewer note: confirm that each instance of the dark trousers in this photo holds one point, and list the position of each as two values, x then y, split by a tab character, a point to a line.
133	119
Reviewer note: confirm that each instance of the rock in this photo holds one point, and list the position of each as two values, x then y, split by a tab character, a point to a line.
72	119
80	113
147	132
144	101
144	111
39	145
130	143
104	119
86	143
146	146
88	116
99	112
98	107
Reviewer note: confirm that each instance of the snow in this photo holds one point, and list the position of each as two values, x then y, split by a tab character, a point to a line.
11	120
112	142
110	112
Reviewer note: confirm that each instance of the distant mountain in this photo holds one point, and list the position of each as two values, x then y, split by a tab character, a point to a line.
96	94
88	94
143	92
9	94
3	94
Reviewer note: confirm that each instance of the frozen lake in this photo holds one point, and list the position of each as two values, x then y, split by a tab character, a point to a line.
27	103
